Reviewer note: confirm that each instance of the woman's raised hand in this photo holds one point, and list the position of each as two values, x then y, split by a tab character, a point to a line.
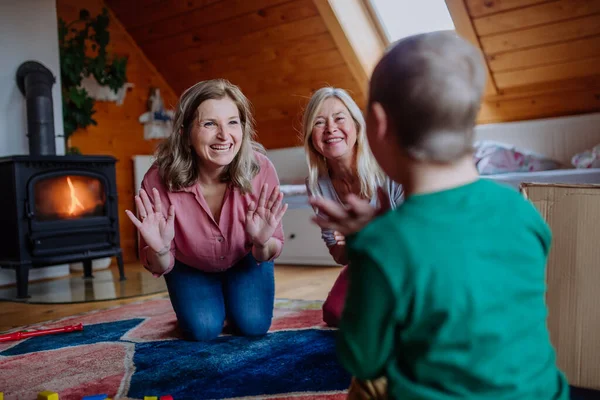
262	219
157	231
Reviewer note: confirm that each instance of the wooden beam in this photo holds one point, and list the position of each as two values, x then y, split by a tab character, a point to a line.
464	27
356	36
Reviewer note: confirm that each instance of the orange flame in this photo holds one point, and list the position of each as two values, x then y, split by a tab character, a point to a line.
71	196
74	200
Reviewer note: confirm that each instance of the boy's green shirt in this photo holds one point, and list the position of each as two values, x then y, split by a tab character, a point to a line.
447	298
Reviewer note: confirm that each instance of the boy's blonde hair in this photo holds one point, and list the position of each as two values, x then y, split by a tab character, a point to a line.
430	86
370	174
177	162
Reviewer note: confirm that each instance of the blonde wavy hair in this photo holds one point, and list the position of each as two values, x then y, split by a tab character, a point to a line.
369	173
176	159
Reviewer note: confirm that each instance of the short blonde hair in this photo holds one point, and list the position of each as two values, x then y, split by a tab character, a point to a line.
369	173
177	162
430	86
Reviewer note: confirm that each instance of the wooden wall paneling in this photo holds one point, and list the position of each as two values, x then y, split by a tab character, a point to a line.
464	27
480	8
546	34
541	106
277	51
545	55
535	15
265	56
165	56
233	28
271	79
288	65
138	13
216	14
118	132
548	73
279	133
588	83
316	77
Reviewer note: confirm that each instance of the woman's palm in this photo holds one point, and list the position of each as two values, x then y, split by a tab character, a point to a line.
156	230
263	219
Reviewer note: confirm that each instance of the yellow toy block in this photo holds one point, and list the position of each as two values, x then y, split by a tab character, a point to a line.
150	398
47	395
1	396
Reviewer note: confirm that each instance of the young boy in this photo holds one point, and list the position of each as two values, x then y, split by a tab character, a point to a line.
447	292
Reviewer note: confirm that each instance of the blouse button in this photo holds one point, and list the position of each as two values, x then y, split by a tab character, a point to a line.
219	239
222	258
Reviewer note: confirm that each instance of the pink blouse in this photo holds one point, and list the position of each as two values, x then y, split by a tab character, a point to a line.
199	241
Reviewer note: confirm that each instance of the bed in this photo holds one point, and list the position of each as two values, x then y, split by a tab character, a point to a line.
558	138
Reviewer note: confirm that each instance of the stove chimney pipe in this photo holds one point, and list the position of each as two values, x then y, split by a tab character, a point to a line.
35	82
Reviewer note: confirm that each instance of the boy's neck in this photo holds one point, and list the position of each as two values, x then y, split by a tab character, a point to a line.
422	178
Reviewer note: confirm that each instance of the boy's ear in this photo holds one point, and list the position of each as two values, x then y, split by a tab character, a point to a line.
380	120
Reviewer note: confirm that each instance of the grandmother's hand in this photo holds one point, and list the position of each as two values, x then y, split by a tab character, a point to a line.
262	219
349	219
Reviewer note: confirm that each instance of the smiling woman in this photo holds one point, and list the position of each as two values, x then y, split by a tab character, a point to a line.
209	215
341	167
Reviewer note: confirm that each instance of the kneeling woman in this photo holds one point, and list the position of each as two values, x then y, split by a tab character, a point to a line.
209	216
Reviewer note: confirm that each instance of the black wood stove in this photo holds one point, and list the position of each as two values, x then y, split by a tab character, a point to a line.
55	209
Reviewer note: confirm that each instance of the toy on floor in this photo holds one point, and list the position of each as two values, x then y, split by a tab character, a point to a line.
40	332
166	397
96	397
47	395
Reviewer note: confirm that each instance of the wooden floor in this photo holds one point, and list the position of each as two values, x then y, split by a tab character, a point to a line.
291	282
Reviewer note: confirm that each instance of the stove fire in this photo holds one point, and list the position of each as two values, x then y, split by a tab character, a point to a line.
74	200
69	197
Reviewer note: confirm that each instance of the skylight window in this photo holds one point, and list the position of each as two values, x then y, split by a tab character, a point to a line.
402	18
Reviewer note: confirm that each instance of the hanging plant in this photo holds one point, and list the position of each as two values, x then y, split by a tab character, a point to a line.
82	45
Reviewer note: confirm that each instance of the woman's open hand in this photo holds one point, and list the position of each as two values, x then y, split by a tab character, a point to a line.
157	231
262	218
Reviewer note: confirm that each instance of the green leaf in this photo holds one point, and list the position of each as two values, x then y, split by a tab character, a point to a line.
76	63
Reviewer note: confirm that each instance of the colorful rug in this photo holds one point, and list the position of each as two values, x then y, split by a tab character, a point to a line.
133	351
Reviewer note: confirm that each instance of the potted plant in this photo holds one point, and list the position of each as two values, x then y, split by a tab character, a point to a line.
83	55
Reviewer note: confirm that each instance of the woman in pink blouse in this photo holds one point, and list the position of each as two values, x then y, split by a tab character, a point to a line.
209	215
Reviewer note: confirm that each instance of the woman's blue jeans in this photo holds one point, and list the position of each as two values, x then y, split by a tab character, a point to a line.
244	294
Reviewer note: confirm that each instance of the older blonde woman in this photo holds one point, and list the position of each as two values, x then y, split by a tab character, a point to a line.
209	215
342	169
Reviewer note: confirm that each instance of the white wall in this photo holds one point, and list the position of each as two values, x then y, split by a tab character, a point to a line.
28	31
559	138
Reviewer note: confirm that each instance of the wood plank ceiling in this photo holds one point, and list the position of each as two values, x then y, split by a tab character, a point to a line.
277	51
543	56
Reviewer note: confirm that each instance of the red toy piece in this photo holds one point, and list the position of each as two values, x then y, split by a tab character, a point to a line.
167	397
41	332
